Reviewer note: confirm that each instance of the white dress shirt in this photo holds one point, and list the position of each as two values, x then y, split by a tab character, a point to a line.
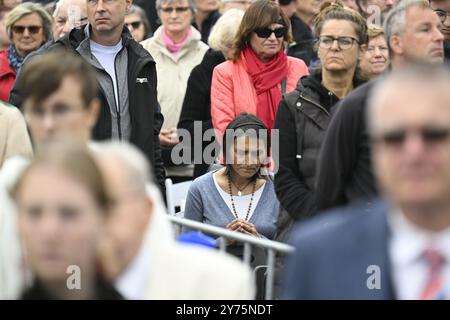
406	247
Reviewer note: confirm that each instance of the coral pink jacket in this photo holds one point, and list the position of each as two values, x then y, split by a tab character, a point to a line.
232	90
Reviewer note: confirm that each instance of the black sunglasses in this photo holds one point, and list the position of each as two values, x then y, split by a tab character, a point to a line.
21	29
429	135
134	24
267	32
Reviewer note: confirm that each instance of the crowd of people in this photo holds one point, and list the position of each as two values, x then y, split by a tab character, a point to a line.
321	124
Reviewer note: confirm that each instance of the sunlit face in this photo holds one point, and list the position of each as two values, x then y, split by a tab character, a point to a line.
62	114
59	223
375	58
335	58
28	34
415	171
176	17
134	23
267	48
443	5
107	16
248	154
71	14
421	39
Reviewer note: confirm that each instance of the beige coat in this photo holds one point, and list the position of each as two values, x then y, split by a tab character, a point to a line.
14	138
173	72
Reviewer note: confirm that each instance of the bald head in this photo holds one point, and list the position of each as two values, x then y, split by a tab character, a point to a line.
409	120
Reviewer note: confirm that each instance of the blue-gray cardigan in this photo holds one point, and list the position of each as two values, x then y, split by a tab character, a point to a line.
205	204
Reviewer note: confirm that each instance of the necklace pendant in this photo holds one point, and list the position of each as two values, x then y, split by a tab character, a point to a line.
239	193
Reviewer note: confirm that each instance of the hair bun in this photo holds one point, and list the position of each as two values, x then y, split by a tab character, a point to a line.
331	5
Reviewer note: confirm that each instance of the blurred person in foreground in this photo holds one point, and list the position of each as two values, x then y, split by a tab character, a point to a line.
398	247
138	254
64	105
62	205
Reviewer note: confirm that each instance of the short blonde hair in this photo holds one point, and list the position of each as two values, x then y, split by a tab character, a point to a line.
374	31
25	9
225	29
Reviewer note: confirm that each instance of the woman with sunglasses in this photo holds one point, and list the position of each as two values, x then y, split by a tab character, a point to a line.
259	72
136	21
177	48
28	26
304	114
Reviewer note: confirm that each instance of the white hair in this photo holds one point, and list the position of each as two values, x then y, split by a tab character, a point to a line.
395	22
225	29
134	162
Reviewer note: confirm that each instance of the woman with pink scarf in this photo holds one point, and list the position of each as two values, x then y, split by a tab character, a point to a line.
177	48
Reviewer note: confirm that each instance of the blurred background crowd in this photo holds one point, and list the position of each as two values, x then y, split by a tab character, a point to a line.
319	124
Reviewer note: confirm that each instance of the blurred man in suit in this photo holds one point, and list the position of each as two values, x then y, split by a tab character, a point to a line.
139	251
399	247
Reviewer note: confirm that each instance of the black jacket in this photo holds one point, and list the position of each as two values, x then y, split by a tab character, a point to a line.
344	169
145	114
197	103
104	291
303	46
302	118
208	24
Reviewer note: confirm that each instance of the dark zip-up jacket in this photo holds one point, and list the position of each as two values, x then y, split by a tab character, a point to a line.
344	168
145	115
302	119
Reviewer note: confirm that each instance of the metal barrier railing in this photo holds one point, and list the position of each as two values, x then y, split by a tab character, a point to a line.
271	246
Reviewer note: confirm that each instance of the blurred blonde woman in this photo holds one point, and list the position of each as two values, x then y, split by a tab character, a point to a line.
62	206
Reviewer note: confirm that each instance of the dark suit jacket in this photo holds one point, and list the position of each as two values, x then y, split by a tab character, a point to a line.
335	250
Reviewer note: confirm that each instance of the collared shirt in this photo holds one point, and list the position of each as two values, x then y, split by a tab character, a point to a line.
132	282
406	248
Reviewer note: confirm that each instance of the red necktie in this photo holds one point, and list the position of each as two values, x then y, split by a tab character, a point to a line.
433	288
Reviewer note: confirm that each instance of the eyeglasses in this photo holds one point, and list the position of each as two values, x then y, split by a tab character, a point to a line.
134	24
344	43
429	135
31	29
267	32
59	111
442	14
177	9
